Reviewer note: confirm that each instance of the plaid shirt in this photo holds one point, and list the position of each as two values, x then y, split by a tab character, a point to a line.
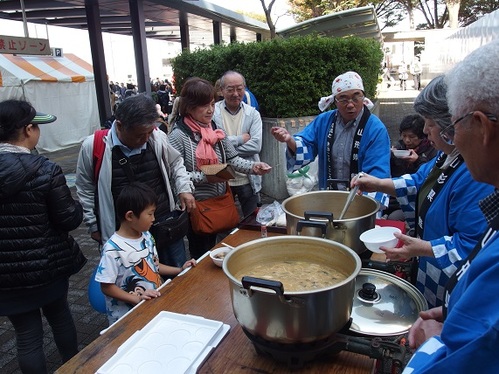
490	206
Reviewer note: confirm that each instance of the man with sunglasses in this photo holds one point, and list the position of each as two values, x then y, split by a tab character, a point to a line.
346	140
462	336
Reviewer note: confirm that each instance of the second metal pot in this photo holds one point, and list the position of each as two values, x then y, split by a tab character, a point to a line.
276	315
313	214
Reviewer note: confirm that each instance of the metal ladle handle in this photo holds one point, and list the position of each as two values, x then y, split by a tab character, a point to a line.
350	197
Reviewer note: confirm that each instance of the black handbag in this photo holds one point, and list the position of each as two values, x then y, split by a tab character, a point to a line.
171	228
165	230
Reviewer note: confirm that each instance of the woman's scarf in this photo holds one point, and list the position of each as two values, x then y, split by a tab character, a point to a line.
205	154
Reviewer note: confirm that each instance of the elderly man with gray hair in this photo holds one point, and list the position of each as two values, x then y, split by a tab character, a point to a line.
135	150
462	336
243	126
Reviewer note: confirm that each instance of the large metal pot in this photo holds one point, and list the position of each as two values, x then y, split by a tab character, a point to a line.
312	214
266	310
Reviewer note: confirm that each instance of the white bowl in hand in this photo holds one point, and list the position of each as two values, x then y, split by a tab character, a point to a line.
380	237
399	153
217	255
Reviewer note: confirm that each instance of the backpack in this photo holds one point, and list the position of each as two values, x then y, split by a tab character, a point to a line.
163	99
98	151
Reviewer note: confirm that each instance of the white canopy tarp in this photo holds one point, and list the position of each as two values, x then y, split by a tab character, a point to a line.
63	86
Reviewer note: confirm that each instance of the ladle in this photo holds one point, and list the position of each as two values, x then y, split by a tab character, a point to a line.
350	197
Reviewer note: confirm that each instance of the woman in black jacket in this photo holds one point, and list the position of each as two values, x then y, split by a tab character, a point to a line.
412	138
37	255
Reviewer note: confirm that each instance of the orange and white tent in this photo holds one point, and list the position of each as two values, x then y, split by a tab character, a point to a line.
63	86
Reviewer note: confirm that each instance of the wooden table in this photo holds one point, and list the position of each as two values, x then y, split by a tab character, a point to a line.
204	291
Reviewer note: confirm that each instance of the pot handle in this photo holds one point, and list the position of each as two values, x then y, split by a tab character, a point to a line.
314	214
402	269
276	286
332	184
306	223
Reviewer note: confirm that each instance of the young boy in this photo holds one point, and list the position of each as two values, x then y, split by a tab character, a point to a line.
129	270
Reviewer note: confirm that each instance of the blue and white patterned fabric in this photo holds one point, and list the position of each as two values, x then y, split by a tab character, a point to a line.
468	342
374	149
453	224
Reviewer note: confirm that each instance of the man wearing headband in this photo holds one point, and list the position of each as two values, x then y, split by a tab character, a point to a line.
347	140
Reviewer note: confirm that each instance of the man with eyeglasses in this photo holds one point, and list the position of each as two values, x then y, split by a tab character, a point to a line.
243	126
462	336
347	140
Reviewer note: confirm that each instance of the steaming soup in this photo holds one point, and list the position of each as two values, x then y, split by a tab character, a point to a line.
296	276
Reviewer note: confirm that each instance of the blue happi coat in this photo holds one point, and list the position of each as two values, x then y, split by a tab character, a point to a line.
453	224
374	149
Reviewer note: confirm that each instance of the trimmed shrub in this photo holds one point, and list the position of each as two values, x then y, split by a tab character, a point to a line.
287	76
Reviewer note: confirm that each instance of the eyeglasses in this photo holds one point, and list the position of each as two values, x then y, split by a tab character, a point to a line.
344	101
447	133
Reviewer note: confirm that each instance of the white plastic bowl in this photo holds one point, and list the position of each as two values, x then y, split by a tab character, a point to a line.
218	255
380	236
399	153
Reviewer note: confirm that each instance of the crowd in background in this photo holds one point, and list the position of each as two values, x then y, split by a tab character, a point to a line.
447	179
162	92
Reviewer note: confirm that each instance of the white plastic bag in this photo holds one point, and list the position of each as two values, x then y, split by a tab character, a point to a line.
301	181
270	214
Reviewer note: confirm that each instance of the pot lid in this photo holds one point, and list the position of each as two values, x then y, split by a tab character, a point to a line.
384	304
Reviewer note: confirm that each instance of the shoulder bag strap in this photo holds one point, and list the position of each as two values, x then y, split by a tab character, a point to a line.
124	162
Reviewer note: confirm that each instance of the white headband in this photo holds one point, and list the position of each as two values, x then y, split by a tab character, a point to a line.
344	82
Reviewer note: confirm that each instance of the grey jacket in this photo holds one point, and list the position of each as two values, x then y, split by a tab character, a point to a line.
252	124
172	169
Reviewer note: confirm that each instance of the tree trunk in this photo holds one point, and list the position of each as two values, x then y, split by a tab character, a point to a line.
410	11
453	7
267	10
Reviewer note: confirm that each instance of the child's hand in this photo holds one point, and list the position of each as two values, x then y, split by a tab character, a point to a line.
192	262
149	294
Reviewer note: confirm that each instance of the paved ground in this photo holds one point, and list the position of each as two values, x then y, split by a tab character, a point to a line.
395	105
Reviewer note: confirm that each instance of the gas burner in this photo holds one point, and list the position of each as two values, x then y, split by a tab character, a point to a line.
296	355
391	353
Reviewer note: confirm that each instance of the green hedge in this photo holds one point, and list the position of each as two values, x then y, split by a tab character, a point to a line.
287	76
